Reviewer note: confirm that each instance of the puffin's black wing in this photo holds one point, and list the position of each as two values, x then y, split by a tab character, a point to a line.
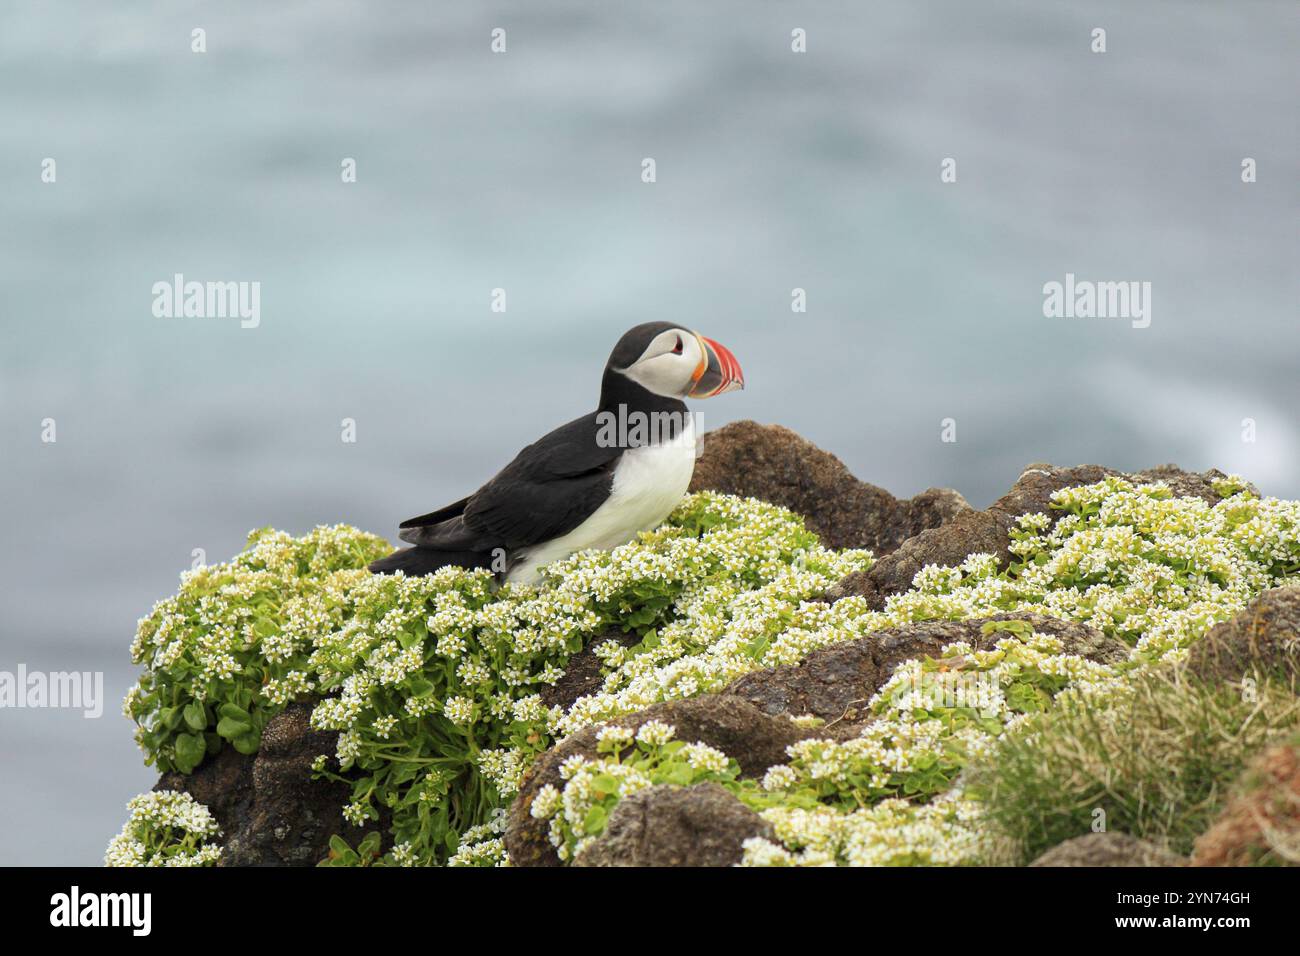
550	488
436	517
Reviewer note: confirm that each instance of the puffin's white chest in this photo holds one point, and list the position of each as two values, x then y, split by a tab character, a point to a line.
649	483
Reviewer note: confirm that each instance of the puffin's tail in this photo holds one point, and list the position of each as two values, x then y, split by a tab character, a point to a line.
417	561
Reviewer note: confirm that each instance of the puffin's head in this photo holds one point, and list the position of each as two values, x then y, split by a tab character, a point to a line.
676	363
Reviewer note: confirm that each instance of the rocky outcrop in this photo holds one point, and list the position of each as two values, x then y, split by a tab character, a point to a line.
1261	642
948	545
988	531
271	811
1261	823
702	825
835	682
777	465
1108	849
736	727
749	719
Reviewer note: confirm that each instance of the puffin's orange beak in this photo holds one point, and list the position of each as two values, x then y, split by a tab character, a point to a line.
717	372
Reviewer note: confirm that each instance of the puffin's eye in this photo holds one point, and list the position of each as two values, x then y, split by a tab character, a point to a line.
677	349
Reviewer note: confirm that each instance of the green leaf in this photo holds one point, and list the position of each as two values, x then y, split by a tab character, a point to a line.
234	713
597	817
230	728
190	751
248	743
1021	629
196	715
680	774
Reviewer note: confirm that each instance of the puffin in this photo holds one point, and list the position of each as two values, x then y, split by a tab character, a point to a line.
595	482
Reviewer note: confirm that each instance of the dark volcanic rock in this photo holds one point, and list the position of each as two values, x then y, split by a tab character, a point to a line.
1262	641
224	784
736	727
777	465
271	811
1186	484
987	531
1108	849
948	545
582	673
1032	492
835	682
702	825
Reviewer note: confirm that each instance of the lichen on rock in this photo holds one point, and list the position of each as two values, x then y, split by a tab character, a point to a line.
779	466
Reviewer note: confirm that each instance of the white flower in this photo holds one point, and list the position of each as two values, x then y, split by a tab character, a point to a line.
655	733
165	828
614	735
704	757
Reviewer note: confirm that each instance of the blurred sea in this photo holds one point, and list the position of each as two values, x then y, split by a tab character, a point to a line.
522	171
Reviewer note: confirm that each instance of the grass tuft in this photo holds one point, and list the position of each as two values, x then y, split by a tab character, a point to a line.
1152	761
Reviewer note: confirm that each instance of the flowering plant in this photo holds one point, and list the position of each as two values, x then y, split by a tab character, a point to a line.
635	761
165	828
434	684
